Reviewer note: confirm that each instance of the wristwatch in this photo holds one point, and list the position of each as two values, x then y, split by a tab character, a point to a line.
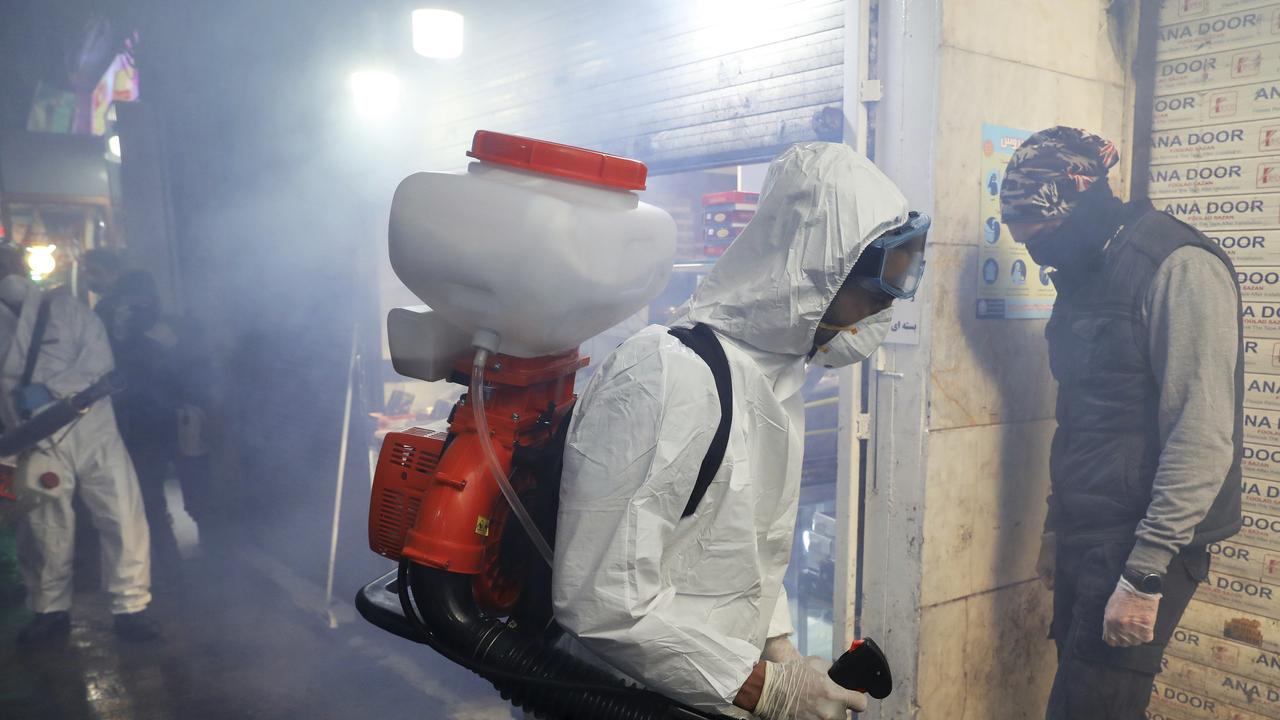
1149	583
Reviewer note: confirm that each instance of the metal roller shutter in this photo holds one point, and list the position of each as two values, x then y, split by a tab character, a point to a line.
679	85
1215	162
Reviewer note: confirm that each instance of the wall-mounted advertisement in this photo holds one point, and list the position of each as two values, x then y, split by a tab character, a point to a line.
1231	67
118	84
1215	164
1173	12
1245	27
75	106
1237	139
1010	285
1224	106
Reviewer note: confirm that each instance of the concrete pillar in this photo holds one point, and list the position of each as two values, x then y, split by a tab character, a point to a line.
963	421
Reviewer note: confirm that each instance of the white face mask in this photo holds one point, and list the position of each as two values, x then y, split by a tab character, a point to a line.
854	343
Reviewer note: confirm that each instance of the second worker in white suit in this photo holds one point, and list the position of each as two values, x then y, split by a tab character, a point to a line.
86	456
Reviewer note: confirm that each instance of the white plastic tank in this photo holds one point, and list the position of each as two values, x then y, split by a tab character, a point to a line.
530	251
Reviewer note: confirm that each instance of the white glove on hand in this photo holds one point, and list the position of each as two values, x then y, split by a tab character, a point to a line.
1130	617
801	690
1048	560
780	650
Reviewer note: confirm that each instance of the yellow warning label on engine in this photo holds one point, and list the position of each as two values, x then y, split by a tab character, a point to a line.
482	526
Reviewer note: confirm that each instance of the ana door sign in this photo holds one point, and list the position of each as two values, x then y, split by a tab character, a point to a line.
1010	285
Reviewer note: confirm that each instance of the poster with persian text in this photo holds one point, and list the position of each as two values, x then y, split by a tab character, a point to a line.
1010	285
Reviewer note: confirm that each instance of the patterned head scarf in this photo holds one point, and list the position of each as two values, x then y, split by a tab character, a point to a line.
1050	172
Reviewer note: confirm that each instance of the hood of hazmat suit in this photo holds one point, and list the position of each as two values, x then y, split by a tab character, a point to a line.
685	605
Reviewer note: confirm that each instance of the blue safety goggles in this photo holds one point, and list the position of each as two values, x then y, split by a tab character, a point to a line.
894	262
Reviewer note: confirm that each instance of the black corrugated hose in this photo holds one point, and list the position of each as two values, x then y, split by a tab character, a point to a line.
58	415
532	675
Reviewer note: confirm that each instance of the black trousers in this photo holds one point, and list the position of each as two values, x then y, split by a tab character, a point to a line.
1094	680
151	463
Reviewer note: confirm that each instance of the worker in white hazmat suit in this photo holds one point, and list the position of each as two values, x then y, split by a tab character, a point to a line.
86	456
694	606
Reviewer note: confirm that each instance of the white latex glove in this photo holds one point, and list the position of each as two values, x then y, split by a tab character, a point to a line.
780	649
1130	617
801	690
1047	562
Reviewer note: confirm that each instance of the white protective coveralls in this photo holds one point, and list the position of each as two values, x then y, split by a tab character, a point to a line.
88	454
685	605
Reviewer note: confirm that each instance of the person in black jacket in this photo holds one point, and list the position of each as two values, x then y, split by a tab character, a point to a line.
84	459
147	409
1145	342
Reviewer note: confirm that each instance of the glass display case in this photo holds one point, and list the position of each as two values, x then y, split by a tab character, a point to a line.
56	234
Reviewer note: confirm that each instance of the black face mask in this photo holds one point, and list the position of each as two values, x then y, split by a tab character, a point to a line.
1076	245
134	319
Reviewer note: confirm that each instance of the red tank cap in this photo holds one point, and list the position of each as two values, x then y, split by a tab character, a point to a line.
564	161
49	481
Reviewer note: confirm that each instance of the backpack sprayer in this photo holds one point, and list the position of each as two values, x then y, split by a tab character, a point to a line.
522	257
48	421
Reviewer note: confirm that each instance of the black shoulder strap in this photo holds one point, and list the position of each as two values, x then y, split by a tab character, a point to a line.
37	339
702	340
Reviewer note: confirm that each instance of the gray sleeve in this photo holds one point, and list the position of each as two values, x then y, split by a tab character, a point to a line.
1192	315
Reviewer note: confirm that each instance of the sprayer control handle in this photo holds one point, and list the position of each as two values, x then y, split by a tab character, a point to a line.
864	668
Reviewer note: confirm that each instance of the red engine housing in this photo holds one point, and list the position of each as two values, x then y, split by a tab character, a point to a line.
434	500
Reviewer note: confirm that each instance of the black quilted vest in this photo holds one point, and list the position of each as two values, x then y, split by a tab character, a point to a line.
1107	446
